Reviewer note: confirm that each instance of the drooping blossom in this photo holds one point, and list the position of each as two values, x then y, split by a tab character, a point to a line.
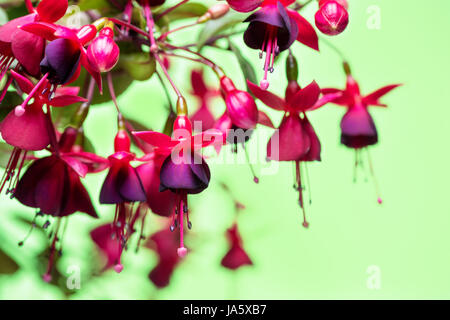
332	16
28	48
27	127
184	171
165	244
204	95
236	256
273	29
65	53
295	140
123	187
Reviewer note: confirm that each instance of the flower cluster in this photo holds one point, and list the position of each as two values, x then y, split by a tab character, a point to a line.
57	71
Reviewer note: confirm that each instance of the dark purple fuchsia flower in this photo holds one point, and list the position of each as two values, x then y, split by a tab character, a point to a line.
332	16
65	52
204	94
28	48
123	187
183	171
358	129
295	139
273	29
236	256
27	127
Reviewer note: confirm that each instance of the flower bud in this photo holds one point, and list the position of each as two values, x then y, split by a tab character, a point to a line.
240	105
122	141
331	18
215	12
103	52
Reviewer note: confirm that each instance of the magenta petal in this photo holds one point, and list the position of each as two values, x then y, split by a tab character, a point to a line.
268	98
199	88
244	5
103	237
67	91
29	131
24	84
63	101
156	139
327	98
204	116
306	33
7	30
42	29
290	142
52	10
132	188
92	162
28	49
315	149
264	119
235	258
95	74
206	138
79	167
372	99
305	98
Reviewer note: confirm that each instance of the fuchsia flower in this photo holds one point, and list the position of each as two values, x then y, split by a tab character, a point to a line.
28	48
103	52
26	127
357	125
65	53
332	16
165	245
123	187
273	29
358	130
183	171
236	256
204	94
295	139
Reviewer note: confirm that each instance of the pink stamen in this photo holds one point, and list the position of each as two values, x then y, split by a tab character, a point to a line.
270	46
300	193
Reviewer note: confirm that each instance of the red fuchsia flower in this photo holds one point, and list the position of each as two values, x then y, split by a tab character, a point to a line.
123	187
26	127
204	94
295	139
183	171
332	17
273	29
236	256
165	245
103	52
65	53
28	48
358	130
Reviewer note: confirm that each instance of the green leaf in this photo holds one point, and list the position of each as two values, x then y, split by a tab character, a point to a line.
214	27
7	265
247	69
140	66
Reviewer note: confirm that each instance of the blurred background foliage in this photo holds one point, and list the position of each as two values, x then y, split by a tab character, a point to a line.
407	237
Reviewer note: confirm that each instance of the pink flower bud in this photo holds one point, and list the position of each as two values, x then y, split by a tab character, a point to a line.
240	105
332	17
122	141
103	52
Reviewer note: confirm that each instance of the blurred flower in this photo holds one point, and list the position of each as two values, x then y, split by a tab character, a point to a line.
236	256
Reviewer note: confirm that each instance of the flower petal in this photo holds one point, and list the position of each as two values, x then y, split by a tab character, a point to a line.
269	99
24	83
63	101
52	10
372	99
28	49
264	119
305	98
244	5
42	29
156	139
306	33
80	168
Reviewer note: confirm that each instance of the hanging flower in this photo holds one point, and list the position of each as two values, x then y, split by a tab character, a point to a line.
236	256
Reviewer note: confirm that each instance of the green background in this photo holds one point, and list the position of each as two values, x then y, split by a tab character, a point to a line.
406	237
